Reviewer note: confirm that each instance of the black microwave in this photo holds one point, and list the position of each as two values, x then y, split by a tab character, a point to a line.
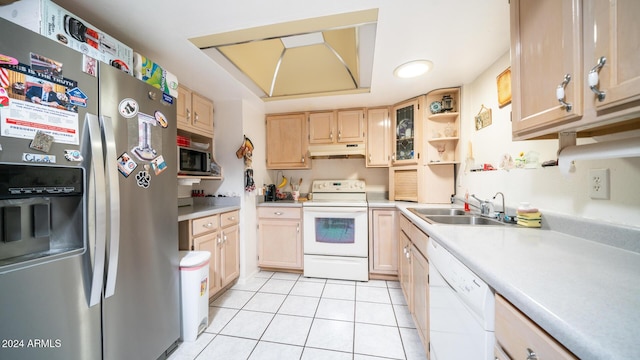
193	162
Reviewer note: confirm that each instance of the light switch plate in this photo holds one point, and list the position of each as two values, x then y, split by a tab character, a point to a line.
599	184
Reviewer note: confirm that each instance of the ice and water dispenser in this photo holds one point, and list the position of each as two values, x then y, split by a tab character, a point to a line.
41	213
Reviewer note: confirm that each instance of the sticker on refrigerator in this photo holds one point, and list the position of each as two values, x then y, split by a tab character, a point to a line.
89	65
162	120
144	150
159	165
128	108
143	178
77	97
45	66
4	97
126	165
41	142
4	59
73	155
39	158
24	119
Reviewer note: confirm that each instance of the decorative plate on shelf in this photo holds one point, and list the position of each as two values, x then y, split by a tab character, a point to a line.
436	107
403	126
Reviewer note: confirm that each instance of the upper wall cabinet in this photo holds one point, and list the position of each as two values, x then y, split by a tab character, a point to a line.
407	132
344	126
287	142
574	66
546	56
615	39
194	112
378	137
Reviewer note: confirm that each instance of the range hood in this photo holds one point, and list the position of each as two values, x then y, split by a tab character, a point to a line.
336	150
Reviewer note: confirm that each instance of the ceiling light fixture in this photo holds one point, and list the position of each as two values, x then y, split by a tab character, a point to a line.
413	68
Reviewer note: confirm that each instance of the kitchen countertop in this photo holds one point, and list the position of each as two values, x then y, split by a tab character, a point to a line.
196	211
584	293
281	203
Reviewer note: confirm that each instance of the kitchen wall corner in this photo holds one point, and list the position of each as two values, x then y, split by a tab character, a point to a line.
545	188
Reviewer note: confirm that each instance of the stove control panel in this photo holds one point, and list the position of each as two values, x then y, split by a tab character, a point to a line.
338	186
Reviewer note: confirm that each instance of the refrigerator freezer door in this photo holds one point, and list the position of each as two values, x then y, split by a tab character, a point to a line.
142	318
45	311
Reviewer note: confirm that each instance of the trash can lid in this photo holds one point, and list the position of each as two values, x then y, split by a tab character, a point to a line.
193	258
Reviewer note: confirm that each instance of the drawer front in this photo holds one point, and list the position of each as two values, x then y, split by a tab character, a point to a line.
419	240
229	218
406	225
205	224
518	336
269	212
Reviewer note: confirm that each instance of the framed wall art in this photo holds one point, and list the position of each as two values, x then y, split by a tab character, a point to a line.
504	87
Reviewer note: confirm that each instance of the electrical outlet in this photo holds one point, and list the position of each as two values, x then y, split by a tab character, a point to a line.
599	184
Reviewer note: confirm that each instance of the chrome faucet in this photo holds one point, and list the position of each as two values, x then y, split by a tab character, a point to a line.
486	207
503	213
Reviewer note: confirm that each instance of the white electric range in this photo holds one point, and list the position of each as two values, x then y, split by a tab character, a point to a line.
336	241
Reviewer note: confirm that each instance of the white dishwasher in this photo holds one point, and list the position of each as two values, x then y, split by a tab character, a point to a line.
461	309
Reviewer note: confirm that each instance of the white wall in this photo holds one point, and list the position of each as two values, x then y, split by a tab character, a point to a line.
544	188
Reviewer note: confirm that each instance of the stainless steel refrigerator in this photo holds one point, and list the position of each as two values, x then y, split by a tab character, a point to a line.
88	207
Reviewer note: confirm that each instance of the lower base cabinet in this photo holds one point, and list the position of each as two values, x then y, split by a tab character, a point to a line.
518	337
383	244
220	235
413	273
280	237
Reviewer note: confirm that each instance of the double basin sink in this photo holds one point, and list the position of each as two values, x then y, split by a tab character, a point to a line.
453	217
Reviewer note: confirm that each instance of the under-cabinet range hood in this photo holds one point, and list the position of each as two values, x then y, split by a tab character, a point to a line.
336	150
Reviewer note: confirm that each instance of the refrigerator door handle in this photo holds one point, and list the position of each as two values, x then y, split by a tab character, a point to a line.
100	234
113	186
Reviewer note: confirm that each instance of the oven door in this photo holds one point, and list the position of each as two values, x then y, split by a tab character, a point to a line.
339	231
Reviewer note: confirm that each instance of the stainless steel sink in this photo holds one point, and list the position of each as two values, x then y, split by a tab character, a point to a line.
452	217
438	211
462	220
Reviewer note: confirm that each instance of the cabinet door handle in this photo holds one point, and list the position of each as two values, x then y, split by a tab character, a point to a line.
188	114
560	92
531	355
196	118
339	135
593	78
298	228
393	157
278	213
224	239
331	135
302	159
208	225
218	240
232	218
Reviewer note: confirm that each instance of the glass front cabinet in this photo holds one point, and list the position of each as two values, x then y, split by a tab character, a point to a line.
406	144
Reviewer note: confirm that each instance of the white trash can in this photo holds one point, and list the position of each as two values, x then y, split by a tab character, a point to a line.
194	297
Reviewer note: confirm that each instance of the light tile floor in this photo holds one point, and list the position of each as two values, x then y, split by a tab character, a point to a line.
284	316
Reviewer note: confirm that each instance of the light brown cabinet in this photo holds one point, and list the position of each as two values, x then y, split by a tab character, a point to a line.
420	293
287	142
331	127
194	112
220	235
383	243
280	237
416	175
407	131
378	137
518	337
414	275
552	94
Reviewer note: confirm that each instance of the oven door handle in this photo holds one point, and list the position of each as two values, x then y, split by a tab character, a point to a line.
336	210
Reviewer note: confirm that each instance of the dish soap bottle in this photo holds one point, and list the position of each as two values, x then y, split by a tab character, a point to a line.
466	201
